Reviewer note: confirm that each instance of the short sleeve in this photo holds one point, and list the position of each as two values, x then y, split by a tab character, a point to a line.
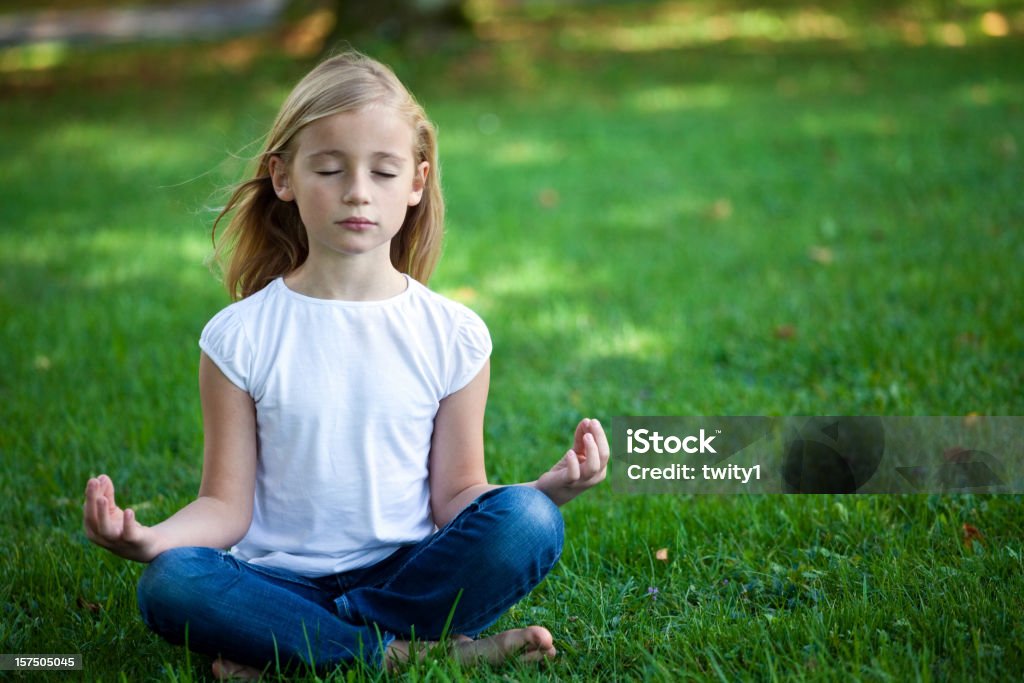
471	347
225	342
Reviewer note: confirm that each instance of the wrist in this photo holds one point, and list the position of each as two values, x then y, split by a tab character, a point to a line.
558	495
152	545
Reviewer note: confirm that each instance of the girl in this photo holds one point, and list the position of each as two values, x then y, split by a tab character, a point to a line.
343	406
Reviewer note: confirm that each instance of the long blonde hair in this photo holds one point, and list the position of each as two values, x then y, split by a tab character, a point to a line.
265	237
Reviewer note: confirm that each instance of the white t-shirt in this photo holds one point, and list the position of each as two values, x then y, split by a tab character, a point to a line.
346	393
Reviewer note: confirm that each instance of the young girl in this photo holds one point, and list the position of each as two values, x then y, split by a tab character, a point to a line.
343	406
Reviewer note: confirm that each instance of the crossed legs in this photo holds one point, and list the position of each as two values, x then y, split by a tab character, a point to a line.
471	571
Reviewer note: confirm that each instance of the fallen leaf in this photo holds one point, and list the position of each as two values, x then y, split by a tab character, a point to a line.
972	534
548	198
93	607
784	332
720	210
661	554
822	255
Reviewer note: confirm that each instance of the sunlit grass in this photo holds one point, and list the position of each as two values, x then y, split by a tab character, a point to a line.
666	99
643	27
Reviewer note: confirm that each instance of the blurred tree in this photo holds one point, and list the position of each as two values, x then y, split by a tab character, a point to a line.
395	20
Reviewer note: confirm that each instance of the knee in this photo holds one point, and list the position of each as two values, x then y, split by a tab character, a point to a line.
170	586
175	567
529	519
535	510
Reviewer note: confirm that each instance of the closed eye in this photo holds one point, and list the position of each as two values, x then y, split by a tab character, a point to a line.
385	174
327	172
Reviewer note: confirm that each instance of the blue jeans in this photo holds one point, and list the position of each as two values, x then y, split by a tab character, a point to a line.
480	564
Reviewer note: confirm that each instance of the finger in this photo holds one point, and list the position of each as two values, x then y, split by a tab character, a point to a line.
107	488
106	526
89	507
603	449
94	506
88	521
592	465
99	514
581	429
572	468
89	518
130	529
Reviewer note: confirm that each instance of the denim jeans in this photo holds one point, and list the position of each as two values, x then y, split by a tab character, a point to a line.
472	570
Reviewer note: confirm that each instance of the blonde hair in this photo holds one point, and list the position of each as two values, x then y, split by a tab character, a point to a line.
265	237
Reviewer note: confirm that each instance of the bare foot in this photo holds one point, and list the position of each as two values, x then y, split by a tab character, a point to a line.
224	669
530	644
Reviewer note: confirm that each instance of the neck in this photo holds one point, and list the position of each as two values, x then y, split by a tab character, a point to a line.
350	280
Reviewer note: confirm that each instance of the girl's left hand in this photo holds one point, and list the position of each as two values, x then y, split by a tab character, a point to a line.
583	466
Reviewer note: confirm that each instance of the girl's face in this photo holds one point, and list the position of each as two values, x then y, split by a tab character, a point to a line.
353	177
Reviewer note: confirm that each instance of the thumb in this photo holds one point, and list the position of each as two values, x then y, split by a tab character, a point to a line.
131	530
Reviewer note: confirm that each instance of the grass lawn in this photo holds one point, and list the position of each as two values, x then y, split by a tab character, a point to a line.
745	227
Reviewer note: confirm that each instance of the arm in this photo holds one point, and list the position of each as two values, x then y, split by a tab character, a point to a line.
221	514
457	474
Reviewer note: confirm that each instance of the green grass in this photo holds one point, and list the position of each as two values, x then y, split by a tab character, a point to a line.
738	228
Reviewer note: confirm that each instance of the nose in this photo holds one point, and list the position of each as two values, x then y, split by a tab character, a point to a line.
357	190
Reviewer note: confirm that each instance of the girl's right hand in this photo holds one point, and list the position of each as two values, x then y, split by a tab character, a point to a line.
115	529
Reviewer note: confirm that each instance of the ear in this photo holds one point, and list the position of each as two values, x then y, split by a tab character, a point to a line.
419	183
279	177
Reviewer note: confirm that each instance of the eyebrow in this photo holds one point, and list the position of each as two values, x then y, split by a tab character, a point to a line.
378	156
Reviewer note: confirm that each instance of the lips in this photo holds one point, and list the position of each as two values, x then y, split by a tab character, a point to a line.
357	223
